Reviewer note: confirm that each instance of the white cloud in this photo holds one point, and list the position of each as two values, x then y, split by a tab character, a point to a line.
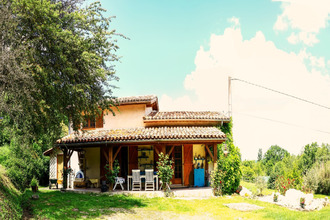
305	16
234	21
259	61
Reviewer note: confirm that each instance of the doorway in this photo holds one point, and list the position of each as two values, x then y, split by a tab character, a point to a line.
176	155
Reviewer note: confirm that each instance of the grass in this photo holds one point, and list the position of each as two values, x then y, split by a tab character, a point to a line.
252	187
68	205
10	198
58	205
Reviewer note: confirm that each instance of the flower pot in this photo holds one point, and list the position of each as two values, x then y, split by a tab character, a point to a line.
34	188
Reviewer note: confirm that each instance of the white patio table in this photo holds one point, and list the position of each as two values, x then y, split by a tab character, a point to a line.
129	177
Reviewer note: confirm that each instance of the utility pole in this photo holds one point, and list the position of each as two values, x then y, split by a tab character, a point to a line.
229	97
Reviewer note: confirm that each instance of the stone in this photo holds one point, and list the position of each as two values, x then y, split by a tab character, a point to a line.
243	206
245	192
292	197
308	199
35	196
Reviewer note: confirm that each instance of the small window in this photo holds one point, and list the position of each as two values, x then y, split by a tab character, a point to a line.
93	123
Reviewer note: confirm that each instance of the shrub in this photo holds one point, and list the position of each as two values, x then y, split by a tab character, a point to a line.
34	182
217	177
165	171
248	173
230	164
111	175
261	184
318	178
282	184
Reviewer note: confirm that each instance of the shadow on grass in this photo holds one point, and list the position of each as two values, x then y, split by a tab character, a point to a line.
68	205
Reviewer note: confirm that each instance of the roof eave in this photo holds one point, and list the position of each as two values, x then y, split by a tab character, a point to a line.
154	141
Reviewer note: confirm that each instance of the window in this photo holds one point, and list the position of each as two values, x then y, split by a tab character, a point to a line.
93	123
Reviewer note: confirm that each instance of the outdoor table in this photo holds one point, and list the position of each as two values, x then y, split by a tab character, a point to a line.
141	177
94	182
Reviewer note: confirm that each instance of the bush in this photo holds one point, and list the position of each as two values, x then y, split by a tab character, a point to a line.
248	174
217	177
165	171
261	184
34	182
230	164
111	175
282	184
317	179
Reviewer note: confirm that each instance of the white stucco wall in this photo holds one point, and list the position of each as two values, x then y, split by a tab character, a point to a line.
73	163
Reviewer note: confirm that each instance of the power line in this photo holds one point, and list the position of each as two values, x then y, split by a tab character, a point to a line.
282	93
281	122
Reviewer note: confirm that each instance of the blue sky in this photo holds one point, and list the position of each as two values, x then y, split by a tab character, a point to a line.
183	51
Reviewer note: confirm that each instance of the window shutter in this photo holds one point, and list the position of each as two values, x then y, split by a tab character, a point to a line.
99	121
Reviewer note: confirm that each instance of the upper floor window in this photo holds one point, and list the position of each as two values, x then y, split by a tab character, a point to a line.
93	123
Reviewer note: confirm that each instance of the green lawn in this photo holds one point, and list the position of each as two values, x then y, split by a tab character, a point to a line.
252	187
58	205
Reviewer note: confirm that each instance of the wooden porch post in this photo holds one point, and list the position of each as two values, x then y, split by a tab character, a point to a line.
65	164
111	157
163	146
215	156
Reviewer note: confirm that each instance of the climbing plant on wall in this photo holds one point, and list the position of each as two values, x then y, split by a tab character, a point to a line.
229	164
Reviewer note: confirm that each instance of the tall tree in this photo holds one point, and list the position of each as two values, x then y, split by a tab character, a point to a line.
57	61
259	154
273	155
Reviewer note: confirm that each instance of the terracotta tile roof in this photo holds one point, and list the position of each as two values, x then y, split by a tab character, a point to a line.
137	99
186	115
145	134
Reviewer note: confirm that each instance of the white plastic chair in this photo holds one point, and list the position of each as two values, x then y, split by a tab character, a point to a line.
136	183
120	181
150	180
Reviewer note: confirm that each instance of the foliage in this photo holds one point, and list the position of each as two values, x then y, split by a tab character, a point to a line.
259	154
65	172
111	175
56	63
34	182
217	178
275	198
165	170
10	198
302	202
273	155
63	65
308	157
248	173
230	164
283	184
261	184
317	178
25	162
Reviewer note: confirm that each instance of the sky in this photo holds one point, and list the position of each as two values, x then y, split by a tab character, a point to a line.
184	52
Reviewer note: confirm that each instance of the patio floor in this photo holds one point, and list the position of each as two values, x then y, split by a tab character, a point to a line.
183	192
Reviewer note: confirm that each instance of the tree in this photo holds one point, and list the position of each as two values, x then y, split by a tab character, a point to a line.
56	63
308	157
273	155
259	154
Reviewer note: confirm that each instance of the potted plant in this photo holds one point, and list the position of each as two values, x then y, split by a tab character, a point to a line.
111	175
302	202
275	198
66	171
34	185
165	171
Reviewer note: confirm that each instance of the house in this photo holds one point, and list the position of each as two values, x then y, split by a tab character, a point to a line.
137	134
